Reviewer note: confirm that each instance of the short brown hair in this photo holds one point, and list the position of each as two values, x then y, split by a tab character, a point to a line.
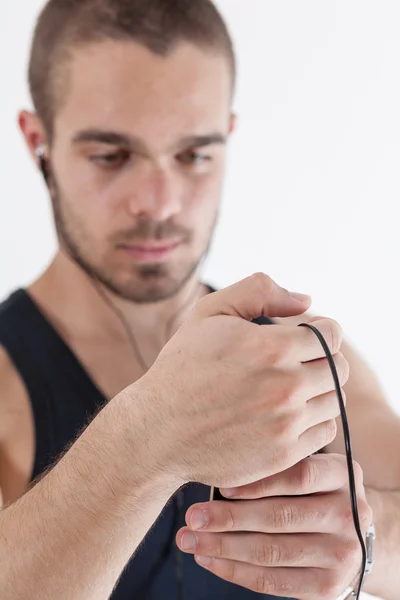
159	25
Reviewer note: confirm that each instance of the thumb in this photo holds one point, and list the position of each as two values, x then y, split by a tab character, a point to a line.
253	297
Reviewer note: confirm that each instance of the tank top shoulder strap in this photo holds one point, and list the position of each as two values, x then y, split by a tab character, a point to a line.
52	375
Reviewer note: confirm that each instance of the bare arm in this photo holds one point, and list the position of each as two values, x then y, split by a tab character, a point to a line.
73	533
375	427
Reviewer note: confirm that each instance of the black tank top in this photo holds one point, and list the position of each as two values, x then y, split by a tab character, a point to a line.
64	399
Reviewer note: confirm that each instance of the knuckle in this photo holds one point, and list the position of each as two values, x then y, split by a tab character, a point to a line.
219	549
342	367
330	431
358	473
348	554
286	427
262	281
309	474
230	518
365	514
261	488
264	352
283	516
276	351
264	583
332	332
265	554
290	385
331	586
335	336
295	383
336	463
345	514
324	435
230	571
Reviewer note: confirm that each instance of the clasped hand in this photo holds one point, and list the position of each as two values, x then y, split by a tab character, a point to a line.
289	535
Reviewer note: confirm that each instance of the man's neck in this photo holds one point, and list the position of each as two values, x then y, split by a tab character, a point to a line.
71	298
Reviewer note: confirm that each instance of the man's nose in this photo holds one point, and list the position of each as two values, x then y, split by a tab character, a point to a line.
156	193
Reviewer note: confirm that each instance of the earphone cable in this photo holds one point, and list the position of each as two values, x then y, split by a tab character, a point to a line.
128	330
124	322
349	454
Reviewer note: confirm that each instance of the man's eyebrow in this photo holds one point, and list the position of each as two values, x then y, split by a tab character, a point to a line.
108	137
198	141
115	138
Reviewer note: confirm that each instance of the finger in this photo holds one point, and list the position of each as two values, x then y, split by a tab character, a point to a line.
322	513
303	550
307	584
317	375
321	473
316	438
330	330
312	386
285	345
321	409
253	297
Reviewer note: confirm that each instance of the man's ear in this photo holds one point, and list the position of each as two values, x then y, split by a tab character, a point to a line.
232	123
33	132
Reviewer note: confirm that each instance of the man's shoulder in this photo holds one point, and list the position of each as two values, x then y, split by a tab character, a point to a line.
13	394
10	307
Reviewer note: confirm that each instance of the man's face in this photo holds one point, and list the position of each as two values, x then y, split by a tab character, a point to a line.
137	163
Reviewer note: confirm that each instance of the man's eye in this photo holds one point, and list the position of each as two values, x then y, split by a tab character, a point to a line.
192	157
111	160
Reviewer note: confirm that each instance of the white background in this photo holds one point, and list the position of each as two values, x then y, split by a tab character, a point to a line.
313	187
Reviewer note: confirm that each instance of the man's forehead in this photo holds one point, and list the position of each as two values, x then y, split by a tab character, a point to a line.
135	67
169	101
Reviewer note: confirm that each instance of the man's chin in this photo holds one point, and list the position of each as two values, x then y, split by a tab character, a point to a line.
148	295
149	287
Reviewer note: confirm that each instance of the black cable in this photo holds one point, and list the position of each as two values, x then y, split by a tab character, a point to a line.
349	454
124	322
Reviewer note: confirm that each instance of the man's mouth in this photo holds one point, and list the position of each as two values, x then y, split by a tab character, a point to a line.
151	251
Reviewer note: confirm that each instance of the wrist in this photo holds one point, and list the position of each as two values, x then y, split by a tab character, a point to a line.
383	581
145	444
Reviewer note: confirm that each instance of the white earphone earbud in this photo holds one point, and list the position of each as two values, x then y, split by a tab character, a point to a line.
40	150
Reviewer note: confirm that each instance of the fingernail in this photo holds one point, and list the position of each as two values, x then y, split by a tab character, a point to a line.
189	541
229	492
204	561
300	297
199	519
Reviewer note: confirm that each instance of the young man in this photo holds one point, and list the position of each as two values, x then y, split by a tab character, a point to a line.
132	117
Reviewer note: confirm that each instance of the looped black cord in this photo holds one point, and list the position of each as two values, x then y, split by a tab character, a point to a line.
349	454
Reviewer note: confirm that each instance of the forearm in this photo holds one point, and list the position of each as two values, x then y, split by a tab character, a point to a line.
384	581
72	534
